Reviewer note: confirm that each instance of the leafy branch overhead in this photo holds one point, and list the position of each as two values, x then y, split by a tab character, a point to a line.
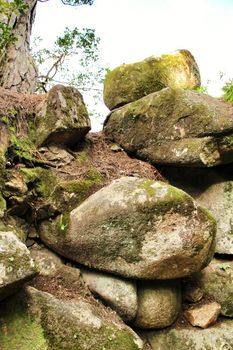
55	63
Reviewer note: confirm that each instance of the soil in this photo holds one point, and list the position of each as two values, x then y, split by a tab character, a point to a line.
111	164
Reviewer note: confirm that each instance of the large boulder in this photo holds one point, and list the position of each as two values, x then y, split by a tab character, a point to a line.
37	320
16	265
120	294
216	280
219	336
135	228
129	82
212	189
175	126
61	118
159	304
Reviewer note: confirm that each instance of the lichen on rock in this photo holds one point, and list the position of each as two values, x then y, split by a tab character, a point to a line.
135	228
130	82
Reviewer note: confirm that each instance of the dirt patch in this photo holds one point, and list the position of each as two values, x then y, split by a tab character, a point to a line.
62	288
10	100
99	154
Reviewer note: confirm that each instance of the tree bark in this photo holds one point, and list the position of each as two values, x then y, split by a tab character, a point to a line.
17	69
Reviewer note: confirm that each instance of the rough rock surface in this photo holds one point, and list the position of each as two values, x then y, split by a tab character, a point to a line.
136	228
203	315
120	294
219	336
47	262
175	126
159	304
62	117
53	324
129	82
16	265
217	281
212	189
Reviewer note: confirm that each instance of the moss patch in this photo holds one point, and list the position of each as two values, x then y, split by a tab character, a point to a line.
18	329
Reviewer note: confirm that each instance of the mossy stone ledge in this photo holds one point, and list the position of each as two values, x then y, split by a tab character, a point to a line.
175	127
130	82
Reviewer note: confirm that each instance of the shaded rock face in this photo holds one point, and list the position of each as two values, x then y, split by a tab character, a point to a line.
120	294
217	281
51	324
16	265
175	126
129	82
62	117
212	189
46	261
136	228
159	304
216	337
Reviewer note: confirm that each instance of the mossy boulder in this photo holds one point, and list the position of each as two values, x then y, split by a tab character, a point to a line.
216	280
159	303
175	126
36	320
213	189
219	336
129	82
16	224
118	293
2	206
4	144
16	265
136	228
61	118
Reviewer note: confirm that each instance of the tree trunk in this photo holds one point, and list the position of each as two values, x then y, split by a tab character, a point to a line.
17	69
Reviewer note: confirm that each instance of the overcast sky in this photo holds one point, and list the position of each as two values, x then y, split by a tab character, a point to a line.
131	30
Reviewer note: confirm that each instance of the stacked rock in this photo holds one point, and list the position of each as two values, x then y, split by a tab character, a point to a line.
158	115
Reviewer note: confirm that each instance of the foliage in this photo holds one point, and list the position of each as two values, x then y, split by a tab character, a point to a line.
201	89
15	7
228	91
224	267
55	64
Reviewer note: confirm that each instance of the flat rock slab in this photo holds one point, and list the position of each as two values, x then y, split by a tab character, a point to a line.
203	315
175	126
129	82
118	293
136	228
219	336
16	265
159	304
61	118
37	320
216	280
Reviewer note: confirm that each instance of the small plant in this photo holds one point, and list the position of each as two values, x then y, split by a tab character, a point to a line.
201	89
224	267
228	91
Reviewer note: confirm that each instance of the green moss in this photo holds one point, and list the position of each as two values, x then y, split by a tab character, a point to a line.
18	329
43	179
130	82
83	158
146	185
2	205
